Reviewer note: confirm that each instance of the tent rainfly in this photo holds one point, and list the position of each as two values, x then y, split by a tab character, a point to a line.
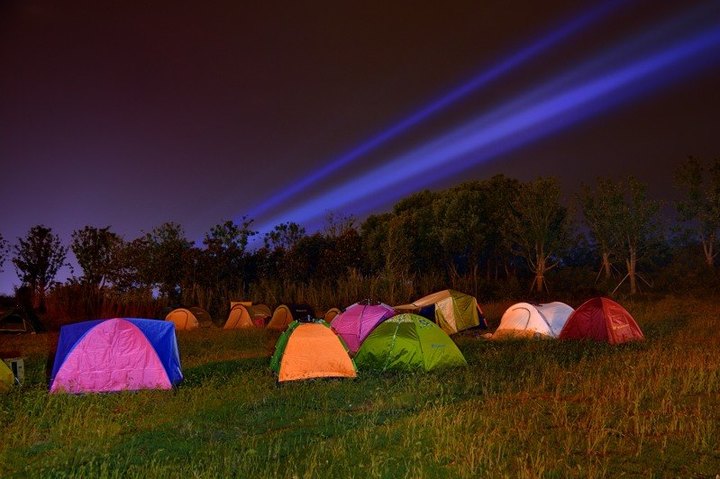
281	318
239	318
408	342
601	319
533	320
358	320
311	350
116	355
184	319
452	310
203	317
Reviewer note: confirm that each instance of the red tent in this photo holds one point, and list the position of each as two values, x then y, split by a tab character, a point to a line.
601	319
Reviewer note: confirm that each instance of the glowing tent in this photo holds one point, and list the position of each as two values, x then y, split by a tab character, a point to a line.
281	318
408	342
452	310
601	319
116	355
6	377
311	350
533	320
184	319
238	318
358	320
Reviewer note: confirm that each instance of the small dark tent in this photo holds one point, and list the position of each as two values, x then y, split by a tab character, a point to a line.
601	319
281	318
15	322
203	317
238	318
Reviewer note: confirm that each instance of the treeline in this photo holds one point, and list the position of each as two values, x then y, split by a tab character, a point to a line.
495	238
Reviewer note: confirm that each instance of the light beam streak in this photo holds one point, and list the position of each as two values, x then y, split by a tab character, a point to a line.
523	55
513	124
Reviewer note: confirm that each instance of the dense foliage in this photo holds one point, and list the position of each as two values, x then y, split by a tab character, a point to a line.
495	238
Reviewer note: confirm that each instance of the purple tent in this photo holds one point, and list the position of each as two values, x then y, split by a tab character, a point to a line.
116	355
358	320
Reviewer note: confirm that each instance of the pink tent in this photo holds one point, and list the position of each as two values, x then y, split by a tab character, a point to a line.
358	320
116	355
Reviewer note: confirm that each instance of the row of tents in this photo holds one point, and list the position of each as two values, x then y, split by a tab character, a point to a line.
452	310
130	354
379	339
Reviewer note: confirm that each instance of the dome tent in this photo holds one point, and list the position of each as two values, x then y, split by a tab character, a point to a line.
281	318
203	317
452	310
601	319
307	350
285	314
408	342
116	355
238	318
184	319
533	320
358	320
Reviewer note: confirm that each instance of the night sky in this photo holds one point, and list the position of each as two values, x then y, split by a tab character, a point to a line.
130	114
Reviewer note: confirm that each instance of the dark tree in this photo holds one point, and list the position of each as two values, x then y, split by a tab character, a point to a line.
284	236
225	255
4	251
165	249
96	250
623	221
540	227
601	208
701	203
38	257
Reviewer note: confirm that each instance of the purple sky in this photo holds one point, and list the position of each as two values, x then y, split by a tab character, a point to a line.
196	112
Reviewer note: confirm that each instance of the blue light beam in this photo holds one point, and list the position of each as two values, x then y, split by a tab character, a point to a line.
482	79
510	126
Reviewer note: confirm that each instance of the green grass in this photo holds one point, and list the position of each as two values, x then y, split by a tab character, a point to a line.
521	409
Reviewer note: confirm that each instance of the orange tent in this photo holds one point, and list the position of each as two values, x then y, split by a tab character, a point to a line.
183	318
238	318
311	350
601	319
330	314
280	319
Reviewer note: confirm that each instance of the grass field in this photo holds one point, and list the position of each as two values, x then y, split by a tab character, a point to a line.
521	409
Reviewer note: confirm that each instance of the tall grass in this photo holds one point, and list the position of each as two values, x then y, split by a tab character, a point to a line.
520	409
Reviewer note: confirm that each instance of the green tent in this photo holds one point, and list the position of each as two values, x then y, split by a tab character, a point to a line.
6	377
452	310
408	342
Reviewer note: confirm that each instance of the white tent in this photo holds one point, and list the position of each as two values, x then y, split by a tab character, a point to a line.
533	320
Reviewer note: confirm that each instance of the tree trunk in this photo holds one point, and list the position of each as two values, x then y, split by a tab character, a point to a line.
606	264
708	249
539	272
631	263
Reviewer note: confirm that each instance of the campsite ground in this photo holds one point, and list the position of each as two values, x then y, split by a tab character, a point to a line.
521	409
